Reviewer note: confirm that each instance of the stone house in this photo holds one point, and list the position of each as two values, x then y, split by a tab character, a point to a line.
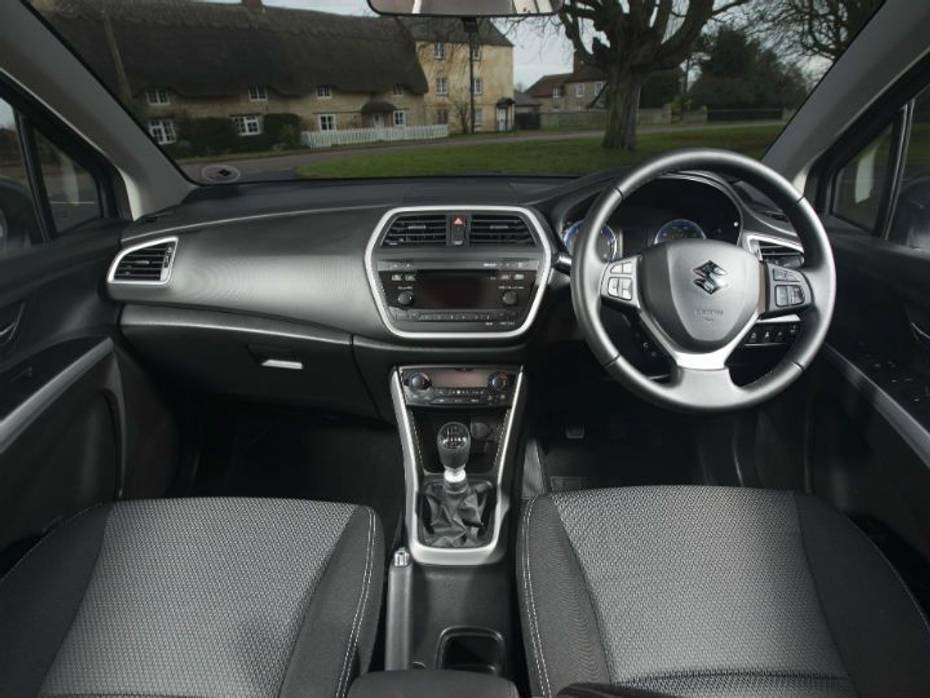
251	60
575	91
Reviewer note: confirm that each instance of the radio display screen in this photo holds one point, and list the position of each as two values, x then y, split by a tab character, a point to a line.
463	290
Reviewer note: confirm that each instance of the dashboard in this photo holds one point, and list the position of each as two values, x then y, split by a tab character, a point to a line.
347	279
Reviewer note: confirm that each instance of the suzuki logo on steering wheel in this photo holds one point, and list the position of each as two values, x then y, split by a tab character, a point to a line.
710	277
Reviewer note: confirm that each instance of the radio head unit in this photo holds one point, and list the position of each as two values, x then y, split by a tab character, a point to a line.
458	274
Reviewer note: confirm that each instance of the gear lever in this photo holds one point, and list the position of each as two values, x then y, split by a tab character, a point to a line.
454	445
454	515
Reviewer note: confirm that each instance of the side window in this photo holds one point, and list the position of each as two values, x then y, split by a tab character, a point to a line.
19	225
862	182
49	183
71	190
911	224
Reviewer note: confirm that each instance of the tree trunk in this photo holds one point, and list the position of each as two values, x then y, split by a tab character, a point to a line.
623	92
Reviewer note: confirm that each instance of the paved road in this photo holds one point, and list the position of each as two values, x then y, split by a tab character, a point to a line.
284	166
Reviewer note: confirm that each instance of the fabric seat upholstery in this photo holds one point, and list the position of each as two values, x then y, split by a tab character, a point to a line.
699	591
196	597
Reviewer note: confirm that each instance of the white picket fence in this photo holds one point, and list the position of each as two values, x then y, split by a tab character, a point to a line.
355	136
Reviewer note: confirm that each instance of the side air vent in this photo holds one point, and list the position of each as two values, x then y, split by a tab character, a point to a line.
145	264
417	229
779	254
492	229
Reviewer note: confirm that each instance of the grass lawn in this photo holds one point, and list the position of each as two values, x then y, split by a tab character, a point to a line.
573	157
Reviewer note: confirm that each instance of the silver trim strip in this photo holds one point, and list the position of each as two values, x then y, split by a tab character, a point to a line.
911	431
15	423
111	274
467	557
542	278
283	363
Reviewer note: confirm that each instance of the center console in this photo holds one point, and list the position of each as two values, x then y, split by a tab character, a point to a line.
461	273
456	426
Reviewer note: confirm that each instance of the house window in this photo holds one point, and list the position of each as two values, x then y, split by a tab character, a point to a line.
327	122
162	131
598	87
442	116
157	97
258	94
400	118
479	117
439	51
477	86
579	90
558	92
442	87
476	52
324	92
248	124
398	90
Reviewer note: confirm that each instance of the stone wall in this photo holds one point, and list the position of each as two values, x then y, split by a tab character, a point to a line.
596	119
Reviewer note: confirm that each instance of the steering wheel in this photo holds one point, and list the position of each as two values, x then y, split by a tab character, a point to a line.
698	299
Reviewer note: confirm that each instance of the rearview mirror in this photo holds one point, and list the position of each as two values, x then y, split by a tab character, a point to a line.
466	8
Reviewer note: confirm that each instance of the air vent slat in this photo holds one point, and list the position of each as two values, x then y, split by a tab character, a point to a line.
416	229
780	254
150	264
495	229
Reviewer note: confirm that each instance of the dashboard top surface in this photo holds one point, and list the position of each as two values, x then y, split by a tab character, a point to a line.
296	251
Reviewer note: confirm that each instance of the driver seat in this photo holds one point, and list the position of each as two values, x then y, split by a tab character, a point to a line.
711	591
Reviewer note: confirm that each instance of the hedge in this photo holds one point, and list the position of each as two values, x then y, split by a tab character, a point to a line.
216	135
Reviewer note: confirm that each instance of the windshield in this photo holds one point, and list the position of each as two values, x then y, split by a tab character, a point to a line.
246	90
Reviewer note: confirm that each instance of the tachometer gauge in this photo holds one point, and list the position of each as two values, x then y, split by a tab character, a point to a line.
607	243
679	229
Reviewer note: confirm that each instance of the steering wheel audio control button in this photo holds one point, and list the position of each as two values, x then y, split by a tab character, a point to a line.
789	290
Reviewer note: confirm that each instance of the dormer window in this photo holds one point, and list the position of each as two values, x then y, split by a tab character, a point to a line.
439	51
398	90
157	97
258	94
324	92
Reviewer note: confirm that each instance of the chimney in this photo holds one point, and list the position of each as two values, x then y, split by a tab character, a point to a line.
254	5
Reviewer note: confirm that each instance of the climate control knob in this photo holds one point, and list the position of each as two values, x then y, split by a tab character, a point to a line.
420	382
405	298
499	382
510	298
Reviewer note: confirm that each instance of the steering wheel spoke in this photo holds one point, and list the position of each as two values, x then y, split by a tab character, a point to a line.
787	291
620	283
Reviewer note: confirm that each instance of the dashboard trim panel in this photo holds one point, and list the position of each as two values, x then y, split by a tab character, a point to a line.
542	278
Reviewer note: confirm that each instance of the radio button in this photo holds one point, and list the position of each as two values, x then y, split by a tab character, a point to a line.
405	298
510	298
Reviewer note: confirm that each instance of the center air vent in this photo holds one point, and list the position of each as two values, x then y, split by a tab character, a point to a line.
496	229
416	229
145	264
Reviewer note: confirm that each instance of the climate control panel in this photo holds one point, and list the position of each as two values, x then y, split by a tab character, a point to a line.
447	386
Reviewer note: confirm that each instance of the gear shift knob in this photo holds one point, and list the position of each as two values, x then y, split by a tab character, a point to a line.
454	445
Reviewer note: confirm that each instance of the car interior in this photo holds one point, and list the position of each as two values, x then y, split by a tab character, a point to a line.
659	430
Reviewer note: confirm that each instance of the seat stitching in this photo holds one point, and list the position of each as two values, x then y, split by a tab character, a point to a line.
344	671
523	573
535	635
749	673
49	534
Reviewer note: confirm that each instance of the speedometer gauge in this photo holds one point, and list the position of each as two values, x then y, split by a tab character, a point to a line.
607	243
679	229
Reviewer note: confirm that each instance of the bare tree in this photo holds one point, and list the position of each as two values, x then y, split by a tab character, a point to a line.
822	28
633	39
